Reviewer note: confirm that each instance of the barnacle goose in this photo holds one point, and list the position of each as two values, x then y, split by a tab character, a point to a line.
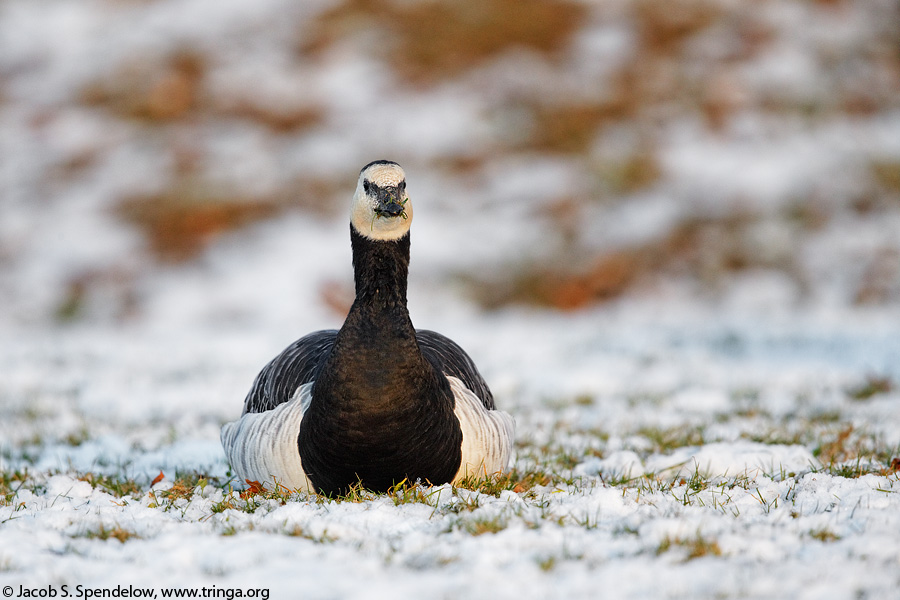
378	401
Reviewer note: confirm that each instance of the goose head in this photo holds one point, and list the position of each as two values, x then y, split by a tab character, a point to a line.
381	210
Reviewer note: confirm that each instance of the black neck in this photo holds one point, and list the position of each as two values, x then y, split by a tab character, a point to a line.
380	269
376	400
376	349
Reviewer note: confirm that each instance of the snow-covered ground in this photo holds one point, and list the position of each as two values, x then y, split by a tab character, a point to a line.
682	448
723	426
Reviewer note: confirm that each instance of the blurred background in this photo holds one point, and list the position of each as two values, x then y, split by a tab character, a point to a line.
191	161
665	231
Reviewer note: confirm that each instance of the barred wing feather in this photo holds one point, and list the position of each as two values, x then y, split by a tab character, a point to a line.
295	366
448	358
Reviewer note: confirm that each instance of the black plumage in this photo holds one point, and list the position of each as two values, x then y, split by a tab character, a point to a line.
298	363
382	409
379	408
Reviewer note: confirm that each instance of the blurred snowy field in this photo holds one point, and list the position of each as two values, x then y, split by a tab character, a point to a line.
667	232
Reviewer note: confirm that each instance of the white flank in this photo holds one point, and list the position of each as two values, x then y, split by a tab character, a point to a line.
487	435
263	446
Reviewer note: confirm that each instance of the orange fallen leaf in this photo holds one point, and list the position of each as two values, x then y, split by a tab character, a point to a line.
254	488
157	479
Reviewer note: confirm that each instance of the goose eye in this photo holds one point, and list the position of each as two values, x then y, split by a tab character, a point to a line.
402	186
366	185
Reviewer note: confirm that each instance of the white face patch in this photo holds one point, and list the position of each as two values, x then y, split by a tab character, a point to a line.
363	210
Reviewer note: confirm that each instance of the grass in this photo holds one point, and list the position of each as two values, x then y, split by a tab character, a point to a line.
254	497
526	496
319	538
824	535
423	38
183	488
709	251
720	493
193	210
851	452
182	220
117	485
482	525
10	484
692	547
887	173
159	90
476	507
406	493
151	91
116	532
872	386
515	480
667	439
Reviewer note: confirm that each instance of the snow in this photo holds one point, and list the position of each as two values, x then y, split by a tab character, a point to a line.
767	549
149	405
702	444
